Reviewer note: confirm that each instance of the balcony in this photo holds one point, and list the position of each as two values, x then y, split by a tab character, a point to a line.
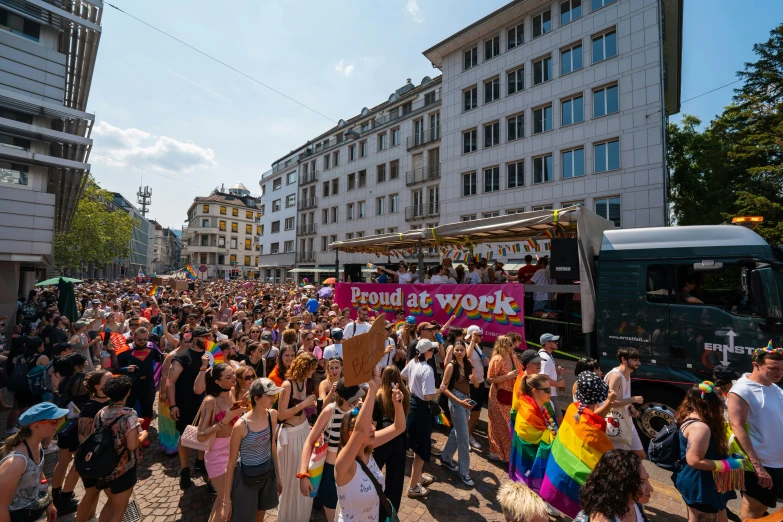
423	137
306	229
422	174
307	203
427	210
310	177
308	256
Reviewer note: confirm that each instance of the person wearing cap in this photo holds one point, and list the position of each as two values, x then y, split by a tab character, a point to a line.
549	344
403	276
183	402
253	441
421	382
328	423
268	351
479	362
21	467
335	349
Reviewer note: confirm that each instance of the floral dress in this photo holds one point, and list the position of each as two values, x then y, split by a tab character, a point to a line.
500	414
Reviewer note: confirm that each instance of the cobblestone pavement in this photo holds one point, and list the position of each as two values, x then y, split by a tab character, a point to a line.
160	500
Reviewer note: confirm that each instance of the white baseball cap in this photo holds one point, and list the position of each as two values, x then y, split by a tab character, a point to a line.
472	329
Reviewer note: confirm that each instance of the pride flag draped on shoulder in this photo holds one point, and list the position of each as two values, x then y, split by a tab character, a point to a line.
531	441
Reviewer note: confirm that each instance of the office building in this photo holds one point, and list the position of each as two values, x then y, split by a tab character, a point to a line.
48	50
277	240
139	248
166	249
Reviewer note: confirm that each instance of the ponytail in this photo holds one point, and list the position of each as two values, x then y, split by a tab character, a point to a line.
529	382
16	439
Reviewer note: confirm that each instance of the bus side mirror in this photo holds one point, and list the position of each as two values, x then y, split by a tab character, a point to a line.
766	287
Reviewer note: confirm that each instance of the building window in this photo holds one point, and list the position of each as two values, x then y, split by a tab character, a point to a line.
222	226
542	70
324	243
607	156
380	206
380	173
382	141
469	184
205	209
491	48
351	152
516	81
574	163
275	227
333	238
276	205
233	243
248	244
395	136
492	134
609	208
222	241
571	59
394	169
362	178
469	141
335	186
274	248
605	101
471	98
288	246
324	216
277	184
486	215
492	179
335	211
348	236
604	46
515	211
349	212
570	10
289	223
542	207
291	178
233	258
260	230
470	217
542	23
471	58
598	4
542	169
363	149
248	215
20	26
542	119
235	212
327	160
222	211
515	174
290	200
362	210
492	90
248	229
336	158
325	191
204	240
567	204
394	203
572	111
351	181
516	127
234	227
247	260
516	36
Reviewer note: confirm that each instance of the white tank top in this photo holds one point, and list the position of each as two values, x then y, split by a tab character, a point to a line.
358	499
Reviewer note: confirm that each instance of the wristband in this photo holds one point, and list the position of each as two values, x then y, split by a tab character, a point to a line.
303	475
172	406
203	369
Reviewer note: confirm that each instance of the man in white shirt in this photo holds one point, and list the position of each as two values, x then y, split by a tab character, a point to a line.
541	277
472	276
549	344
336	349
403	276
359	326
450	272
756	402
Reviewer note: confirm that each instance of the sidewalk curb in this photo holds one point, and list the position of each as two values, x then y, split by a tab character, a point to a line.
665	489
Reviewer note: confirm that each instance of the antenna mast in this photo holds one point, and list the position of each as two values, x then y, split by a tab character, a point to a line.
144	198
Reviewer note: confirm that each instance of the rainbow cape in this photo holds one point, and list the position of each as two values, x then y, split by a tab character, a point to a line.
531	441
575	452
217	353
191	272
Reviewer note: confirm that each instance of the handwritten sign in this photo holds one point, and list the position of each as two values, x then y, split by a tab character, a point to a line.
363	352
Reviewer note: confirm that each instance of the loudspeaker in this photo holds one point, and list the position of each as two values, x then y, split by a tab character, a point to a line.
564	263
354	271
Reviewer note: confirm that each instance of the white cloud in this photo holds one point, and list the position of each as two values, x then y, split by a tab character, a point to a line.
144	149
345	69
415	11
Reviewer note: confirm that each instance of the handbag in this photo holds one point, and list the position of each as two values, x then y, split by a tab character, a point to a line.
315	466
619	427
34	511
256	476
434	408
189	437
505	397
387	512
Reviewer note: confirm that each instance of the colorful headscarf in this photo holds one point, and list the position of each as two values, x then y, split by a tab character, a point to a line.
758	352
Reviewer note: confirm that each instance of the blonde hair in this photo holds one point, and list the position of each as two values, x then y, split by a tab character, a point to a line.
502	346
532	381
520	504
16	439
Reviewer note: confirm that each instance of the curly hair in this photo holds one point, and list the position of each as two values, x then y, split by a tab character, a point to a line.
710	410
289	336
301	367
613	486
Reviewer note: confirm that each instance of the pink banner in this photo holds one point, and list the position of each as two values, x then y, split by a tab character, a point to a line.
497	309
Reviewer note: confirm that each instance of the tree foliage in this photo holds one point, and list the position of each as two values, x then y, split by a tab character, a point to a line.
98	235
734	166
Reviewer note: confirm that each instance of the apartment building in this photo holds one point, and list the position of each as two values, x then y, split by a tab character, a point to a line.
377	172
548	104
48	50
140	245
221	233
166	249
277	239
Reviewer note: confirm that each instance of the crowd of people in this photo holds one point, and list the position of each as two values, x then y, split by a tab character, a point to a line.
245	382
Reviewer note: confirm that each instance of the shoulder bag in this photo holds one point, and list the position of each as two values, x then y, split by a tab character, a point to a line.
189	437
387	512
257	476
315	466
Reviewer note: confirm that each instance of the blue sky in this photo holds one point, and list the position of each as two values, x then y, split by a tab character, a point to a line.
193	124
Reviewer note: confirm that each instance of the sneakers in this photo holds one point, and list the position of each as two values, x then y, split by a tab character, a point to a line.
494	456
184	479
553	511
418	492
452	466
409	454
467	480
474	443
66	503
426	479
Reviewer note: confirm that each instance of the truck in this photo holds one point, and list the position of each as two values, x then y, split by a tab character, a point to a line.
688	298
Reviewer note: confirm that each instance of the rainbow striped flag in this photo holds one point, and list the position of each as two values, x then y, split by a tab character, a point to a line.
531	441
575	452
217	353
548	233
154	290
191	272
442	420
531	241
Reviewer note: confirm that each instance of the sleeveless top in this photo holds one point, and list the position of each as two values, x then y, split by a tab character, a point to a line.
698	486
460	380
256	446
333	428
29	487
293	402
358	499
221	414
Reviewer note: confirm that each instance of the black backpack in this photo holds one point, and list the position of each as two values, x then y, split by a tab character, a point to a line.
18	379
664	449
96	457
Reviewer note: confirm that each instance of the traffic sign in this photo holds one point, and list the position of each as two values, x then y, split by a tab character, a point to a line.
202	268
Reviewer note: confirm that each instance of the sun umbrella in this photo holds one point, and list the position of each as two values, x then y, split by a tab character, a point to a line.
309	287
66	303
325	292
56	280
329	281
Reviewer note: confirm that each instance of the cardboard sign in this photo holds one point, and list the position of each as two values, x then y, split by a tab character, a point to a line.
361	353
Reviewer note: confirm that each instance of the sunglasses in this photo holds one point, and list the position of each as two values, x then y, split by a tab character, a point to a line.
143	339
545	390
249	378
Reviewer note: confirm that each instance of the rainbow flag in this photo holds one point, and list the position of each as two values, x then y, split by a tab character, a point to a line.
216	352
531	241
118	341
531	441
191	272
575	452
154	290
548	233
442	420
315	466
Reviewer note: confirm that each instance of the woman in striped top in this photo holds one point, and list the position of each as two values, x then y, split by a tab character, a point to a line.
328	423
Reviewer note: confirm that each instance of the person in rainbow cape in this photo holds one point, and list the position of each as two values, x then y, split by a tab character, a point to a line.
581	441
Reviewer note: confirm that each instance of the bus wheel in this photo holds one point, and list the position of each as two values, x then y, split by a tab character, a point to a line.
655	415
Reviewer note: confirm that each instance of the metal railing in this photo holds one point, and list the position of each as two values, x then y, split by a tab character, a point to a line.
422	174
423	137
306	229
423	211
309	177
307	203
308	256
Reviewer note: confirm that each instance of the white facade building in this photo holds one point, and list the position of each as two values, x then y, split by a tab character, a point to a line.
277	232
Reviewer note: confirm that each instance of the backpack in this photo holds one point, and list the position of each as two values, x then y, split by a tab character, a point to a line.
664	449
96	457
36	380
64	395
18	379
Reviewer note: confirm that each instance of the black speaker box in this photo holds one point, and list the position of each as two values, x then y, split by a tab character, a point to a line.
354	271
564	262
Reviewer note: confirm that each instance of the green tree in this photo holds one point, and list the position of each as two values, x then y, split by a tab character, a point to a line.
98	235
